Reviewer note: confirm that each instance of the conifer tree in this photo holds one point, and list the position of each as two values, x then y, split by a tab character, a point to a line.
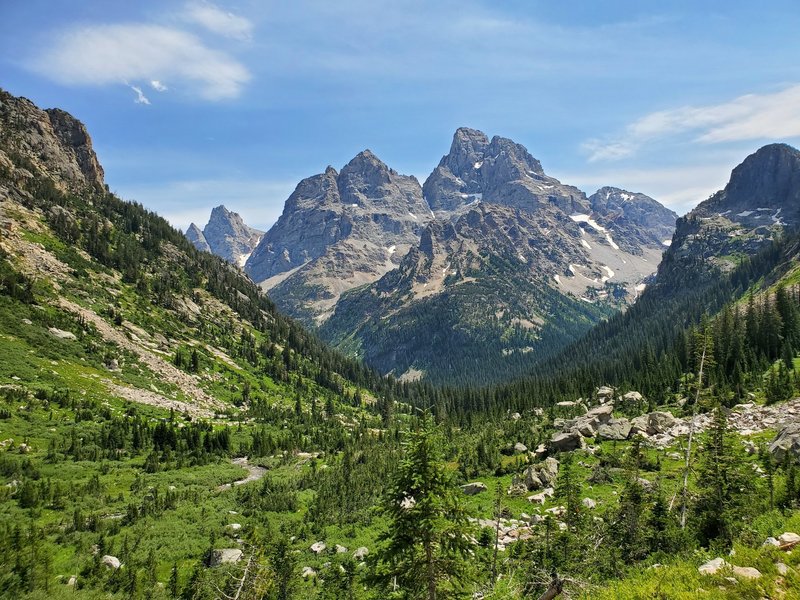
424	550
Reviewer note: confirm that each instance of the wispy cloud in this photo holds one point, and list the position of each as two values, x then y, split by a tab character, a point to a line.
749	117
158	86
140	97
218	21
110	54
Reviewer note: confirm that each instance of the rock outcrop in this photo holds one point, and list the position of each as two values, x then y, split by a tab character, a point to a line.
225	235
53	140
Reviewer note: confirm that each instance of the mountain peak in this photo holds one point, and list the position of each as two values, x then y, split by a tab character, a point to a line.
225	235
768	178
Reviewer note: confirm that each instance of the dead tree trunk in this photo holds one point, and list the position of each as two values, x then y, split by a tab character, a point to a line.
556	586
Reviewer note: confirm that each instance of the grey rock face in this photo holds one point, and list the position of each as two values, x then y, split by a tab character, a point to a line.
195	235
786	442
635	218
225	235
338	230
55	141
471	489
615	429
499	171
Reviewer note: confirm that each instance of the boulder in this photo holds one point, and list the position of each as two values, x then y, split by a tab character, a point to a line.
361	553
632	397
788	540
318	547
771	541
713	567
548	470
516	416
566	441
786	442
308	572
605	393
746	572
782	568
542	496
640	424
541	475
73	581
589	503
476	487
61	335
520	448
340	549
660	422
224	556
112	562
615	429
234	527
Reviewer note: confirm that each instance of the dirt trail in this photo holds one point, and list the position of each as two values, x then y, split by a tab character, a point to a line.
204	403
254	473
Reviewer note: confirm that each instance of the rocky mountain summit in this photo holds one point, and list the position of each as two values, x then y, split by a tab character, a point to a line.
225	235
338	230
51	141
761	199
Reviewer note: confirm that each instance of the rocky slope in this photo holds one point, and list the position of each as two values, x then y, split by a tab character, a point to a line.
338	230
225	235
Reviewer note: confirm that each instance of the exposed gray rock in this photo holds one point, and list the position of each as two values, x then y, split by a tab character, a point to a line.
225	235
660	422
472	489
615	429
223	556
62	335
787	441
712	567
318	547
196	237
566	441
361	553
746	572
520	448
112	562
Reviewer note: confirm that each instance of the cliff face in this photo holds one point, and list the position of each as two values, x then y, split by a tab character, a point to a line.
52	140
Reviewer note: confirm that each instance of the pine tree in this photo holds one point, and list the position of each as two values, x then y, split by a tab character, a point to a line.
424	550
724	482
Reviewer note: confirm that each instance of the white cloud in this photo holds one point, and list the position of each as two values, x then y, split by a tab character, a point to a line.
749	117
218	21
110	54
158	86
140	97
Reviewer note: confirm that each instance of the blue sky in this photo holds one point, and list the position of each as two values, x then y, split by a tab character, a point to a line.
193	104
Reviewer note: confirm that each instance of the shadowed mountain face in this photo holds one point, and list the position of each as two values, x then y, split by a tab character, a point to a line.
761	199
491	247
225	235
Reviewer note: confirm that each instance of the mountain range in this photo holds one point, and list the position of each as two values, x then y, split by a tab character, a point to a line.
489	264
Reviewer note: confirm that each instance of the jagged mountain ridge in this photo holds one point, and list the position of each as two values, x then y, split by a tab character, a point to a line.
338	230
597	250
225	235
